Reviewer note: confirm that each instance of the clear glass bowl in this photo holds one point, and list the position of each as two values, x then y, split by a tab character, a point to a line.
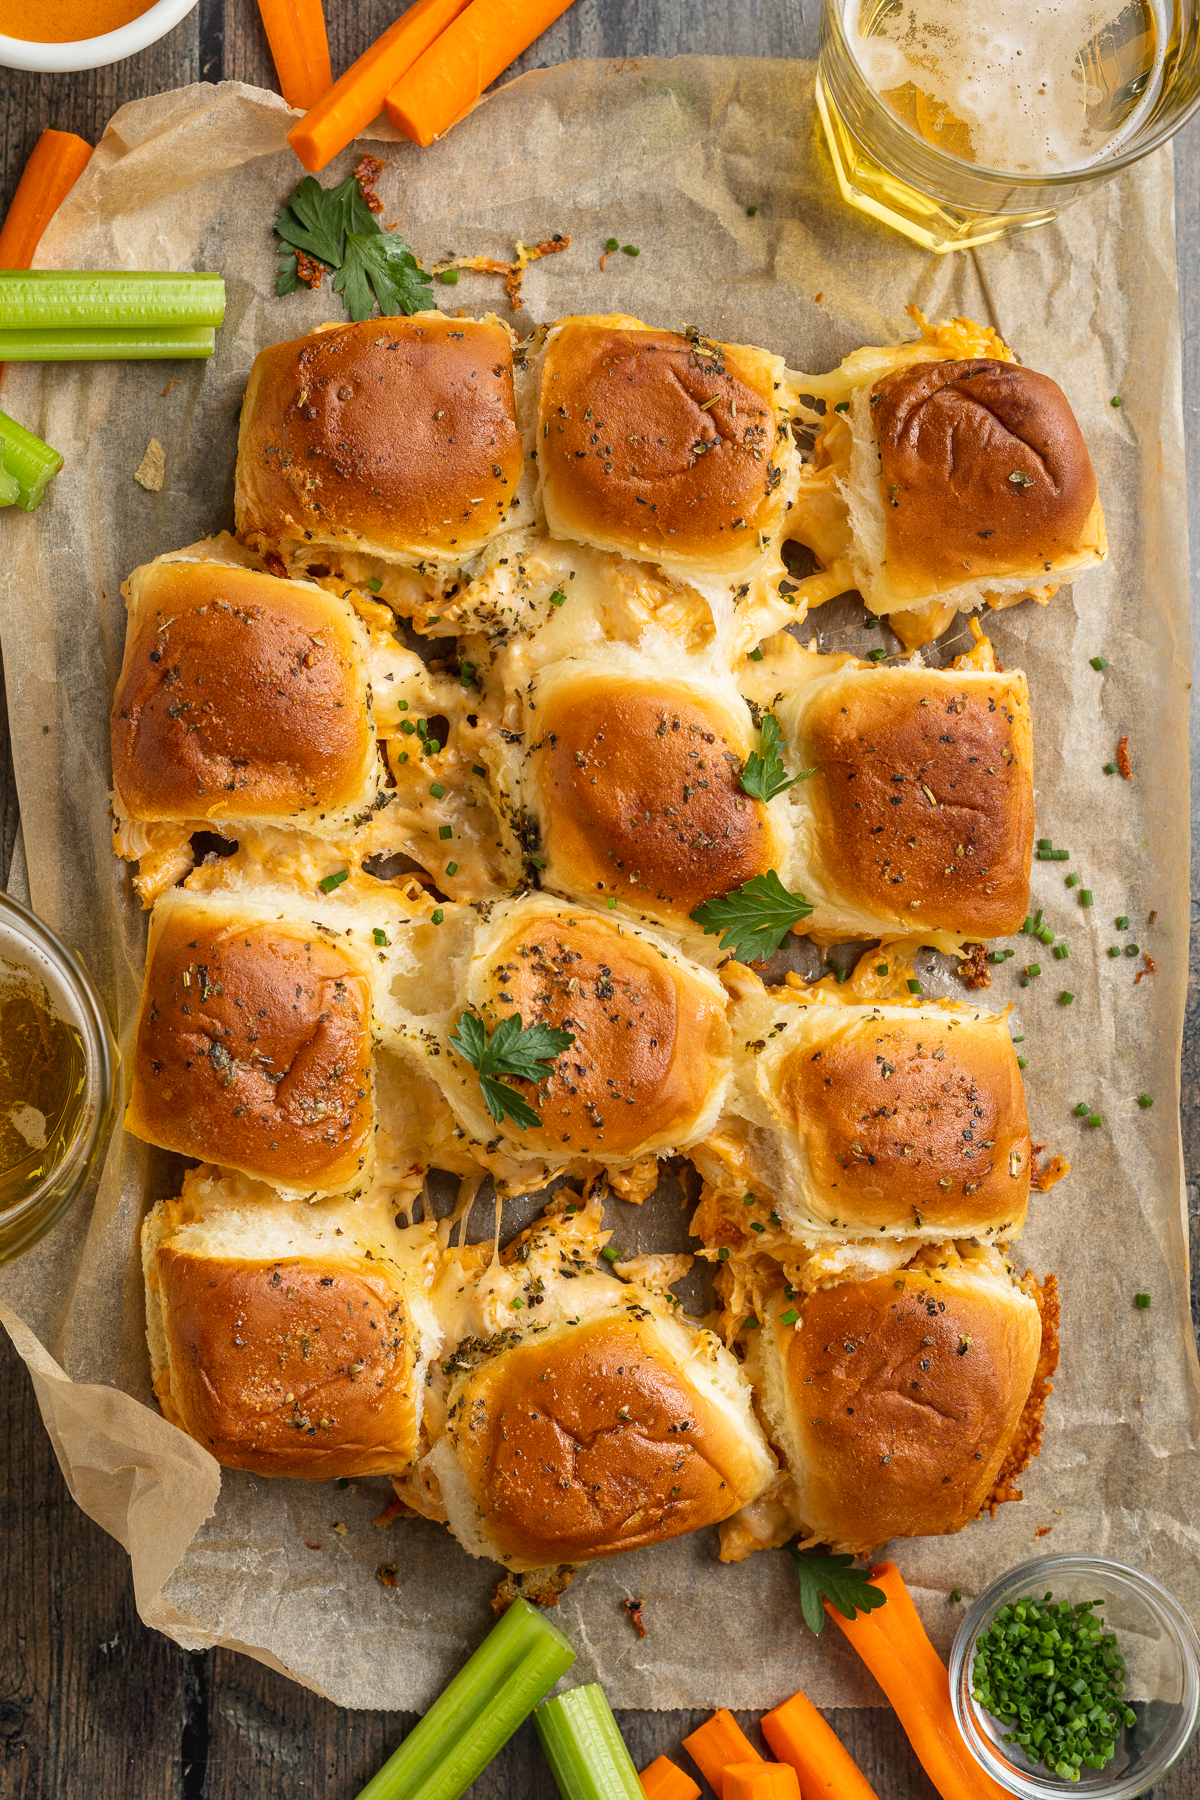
1162	1660
29	944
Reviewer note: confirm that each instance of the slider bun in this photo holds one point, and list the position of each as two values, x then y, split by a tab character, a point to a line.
648	1068
633	777
254	1045
898	1120
872	850
634	458
395	437
281	1335
894	1400
240	697
935	511
588	1439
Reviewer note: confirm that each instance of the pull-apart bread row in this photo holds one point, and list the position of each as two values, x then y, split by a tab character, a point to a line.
289	718
609	731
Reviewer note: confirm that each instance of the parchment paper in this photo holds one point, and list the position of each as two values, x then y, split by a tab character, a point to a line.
667	156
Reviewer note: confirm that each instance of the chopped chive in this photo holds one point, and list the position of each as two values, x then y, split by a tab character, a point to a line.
1065	998
517	1303
630	250
914	986
1072	881
1114	949
843	406
1044	934
1019	1040
422	728
466	675
449	277
1145	1100
613	905
403	756
1062	856
610	1253
478	769
1132	950
789	1317
1142	1301
407	727
723	1254
612	244
1033	968
1028	925
1098	662
380	937
584	1747
877	655
1110	768
1123	922
756	656
1045	843
750	211
452	868
881	968
999	956
376	586
1084	1108
1037	917
516	1666
558	598
1116	400
436	789
1085	897
1062	951
1022	1062
445	833
329	882
750	1324
956	1595
1095	1119
841	975
538	862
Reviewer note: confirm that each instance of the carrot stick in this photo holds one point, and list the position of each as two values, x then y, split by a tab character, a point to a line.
761	1781
357	97
893	1644
449	78
719	1742
664	1781
799	1735
59	159
300	46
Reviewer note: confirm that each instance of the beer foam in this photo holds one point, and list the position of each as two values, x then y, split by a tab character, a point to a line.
1008	70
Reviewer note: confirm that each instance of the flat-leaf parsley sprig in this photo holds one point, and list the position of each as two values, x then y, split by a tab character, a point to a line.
764	775
832	1578
335	228
754	919
511	1050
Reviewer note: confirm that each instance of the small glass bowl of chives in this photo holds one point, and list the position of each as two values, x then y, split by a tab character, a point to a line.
1161	1677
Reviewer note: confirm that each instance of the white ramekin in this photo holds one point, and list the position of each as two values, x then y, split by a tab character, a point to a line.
96	52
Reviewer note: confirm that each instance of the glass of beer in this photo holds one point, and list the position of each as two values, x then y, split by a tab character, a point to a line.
960	121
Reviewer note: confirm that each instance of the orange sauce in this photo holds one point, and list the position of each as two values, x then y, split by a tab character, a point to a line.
66	21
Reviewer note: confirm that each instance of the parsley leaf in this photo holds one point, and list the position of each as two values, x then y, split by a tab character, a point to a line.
764	775
832	1578
755	918
511	1050
336	227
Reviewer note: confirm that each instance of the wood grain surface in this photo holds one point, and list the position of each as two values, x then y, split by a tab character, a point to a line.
92	1705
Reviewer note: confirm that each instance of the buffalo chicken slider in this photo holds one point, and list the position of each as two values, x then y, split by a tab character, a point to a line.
918	814
672	448
574	1416
901	1405
883	1122
289	1339
253	1045
394	439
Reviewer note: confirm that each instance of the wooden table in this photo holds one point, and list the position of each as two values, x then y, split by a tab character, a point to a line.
91	1703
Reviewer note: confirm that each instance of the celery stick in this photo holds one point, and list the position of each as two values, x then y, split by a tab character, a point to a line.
27	462
584	1748
10	487
516	1665
58	299
106	344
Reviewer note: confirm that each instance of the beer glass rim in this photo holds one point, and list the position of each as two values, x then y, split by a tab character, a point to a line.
908	143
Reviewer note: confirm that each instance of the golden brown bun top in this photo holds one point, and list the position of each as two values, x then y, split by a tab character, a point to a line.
902	1119
952	435
241	696
301	1366
639	785
254	1049
657	445
396	436
924	793
905	1391
651	1039
593	1440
